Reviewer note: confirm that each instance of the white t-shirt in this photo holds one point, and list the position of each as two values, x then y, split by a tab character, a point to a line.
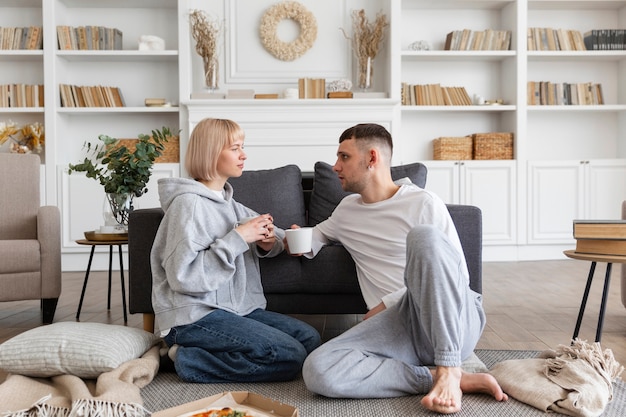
375	235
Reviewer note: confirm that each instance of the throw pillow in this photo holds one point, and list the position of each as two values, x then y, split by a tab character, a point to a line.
327	191
81	349
276	191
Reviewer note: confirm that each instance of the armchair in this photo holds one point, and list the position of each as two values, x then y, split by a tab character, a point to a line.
30	236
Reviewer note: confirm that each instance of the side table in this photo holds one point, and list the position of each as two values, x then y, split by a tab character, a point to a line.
594	258
110	243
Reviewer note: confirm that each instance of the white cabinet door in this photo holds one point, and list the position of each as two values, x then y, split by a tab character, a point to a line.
489	185
562	191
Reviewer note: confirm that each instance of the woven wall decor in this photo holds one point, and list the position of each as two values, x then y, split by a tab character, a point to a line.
288	51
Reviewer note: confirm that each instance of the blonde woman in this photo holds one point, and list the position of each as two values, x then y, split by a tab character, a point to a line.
207	294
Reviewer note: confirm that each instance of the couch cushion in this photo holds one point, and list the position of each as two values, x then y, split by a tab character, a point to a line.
327	191
276	191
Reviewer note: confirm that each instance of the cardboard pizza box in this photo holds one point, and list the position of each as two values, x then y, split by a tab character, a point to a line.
243	401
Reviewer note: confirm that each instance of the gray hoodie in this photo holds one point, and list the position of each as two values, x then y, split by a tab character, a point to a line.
199	262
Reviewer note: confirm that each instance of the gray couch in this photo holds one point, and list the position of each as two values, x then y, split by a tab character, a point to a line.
326	284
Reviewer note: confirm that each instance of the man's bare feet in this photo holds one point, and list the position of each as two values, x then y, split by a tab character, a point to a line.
449	385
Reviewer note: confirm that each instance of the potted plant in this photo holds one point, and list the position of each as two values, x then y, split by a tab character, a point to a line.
123	172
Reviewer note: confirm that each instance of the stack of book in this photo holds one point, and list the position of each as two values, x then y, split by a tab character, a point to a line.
90	96
21	37
21	95
564	94
486	40
600	237
312	88
548	39
89	38
434	95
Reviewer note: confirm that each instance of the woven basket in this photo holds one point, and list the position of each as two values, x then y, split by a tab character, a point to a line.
171	153
494	145
455	148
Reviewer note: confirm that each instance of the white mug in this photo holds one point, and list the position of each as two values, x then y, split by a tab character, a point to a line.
299	240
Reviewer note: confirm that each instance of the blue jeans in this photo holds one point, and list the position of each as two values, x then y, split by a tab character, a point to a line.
224	347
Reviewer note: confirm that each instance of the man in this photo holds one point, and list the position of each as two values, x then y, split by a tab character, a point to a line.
414	279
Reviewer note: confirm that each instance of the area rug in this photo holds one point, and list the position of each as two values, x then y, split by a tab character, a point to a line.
167	390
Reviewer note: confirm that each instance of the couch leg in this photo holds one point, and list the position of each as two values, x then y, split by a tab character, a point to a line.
48	308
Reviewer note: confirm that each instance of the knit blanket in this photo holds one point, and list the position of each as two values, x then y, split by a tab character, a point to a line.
113	394
576	380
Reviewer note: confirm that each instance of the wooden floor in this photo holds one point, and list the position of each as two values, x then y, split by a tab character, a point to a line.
529	305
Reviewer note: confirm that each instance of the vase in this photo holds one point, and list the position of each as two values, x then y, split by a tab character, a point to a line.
116	210
211	73
364	72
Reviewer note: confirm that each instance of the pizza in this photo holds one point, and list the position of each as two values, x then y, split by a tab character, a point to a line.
223	412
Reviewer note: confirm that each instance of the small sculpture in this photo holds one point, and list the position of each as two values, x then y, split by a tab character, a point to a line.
339	85
419	46
151	43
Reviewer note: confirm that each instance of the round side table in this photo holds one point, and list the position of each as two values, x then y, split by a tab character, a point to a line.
110	243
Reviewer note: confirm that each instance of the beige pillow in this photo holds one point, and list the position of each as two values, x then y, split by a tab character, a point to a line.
82	349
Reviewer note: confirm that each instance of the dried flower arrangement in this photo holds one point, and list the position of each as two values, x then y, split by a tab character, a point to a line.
206	31
26	139
366	39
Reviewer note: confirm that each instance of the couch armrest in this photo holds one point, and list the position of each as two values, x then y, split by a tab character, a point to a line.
142	228
49	236
468	221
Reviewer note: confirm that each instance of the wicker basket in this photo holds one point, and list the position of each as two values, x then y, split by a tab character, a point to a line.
494	145
455	148
171	153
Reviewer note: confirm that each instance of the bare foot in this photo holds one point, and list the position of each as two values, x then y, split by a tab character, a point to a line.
451	383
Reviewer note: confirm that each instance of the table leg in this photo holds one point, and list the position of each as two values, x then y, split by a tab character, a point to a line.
583	303
110	268
82	294
605	293
123	286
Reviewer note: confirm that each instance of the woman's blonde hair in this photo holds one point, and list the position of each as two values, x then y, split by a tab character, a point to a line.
207	140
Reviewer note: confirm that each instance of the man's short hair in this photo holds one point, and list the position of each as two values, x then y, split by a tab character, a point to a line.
370	134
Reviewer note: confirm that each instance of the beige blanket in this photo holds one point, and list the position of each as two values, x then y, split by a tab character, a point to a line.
575	380
115	393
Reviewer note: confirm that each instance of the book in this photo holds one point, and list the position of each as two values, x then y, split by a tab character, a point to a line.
600	229
266	96
601	246
339	94
240	93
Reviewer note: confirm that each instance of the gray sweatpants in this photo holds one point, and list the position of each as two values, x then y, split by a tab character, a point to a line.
437	322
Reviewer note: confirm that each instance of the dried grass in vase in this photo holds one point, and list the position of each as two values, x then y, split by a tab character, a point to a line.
366	40
206	31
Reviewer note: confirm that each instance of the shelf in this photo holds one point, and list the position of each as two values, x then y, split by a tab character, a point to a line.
602	56
485	108
21	55
457	55
456	4
608	108
575	4
105	111
170	4
118	56
21	109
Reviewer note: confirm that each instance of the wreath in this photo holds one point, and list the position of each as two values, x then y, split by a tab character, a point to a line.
288	51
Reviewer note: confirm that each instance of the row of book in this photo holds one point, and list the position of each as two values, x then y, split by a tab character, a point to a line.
549	39
564	94
600	237
605	39
90	96
89	38
21	95
30	37
486	40
434	95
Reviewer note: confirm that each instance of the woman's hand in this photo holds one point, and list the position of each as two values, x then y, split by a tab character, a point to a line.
260	229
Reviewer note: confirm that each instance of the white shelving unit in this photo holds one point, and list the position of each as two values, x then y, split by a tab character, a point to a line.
569	161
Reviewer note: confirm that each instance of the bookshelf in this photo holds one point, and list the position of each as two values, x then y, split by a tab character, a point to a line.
569	160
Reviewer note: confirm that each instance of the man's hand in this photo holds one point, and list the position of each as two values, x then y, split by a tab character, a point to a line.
375	310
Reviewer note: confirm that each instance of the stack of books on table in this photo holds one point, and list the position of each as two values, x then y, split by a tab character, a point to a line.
600	237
